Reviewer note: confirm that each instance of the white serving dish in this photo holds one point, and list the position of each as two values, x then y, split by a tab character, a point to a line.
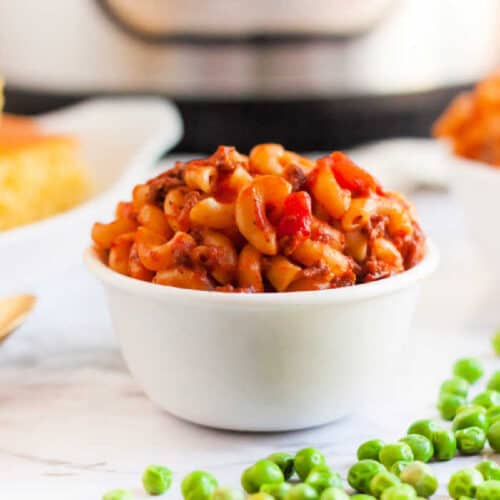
121	139
261	362
477	187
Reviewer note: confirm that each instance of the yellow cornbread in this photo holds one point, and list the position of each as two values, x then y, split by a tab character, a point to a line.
40	174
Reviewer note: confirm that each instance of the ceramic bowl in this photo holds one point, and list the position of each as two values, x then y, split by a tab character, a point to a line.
120	140
261	362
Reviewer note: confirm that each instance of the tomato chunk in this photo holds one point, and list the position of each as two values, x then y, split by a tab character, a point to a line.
350	176
297	216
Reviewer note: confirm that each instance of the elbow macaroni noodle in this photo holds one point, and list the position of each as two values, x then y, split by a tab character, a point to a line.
272	221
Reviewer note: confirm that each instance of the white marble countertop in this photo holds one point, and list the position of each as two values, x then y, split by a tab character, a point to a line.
74	424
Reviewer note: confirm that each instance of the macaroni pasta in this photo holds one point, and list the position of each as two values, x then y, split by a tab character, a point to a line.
270	222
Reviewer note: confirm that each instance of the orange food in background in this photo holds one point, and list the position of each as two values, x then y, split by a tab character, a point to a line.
272	221
472	122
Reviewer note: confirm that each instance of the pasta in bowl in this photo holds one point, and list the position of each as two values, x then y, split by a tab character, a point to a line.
352	254
270	222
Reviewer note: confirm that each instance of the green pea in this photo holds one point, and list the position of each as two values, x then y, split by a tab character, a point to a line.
260	496
470	407
302	492
227	493
494	382
470	369
455	385
362	496
334	494
370	450
322	477
465	482
306	459
420	446
489	469
397	467
445	445
118	495
470	418
262	472
156	479
277	490
421	477
284	461
392	453
400	492
470	441
494	436
493	414
423	427
495	341
362	472
489	490
487	399
448	404
381	481
198	485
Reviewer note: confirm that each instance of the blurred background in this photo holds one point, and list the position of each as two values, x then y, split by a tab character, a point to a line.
341	73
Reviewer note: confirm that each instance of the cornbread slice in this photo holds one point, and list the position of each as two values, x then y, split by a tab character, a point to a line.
40	174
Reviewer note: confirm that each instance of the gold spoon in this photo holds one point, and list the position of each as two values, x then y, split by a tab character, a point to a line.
13	312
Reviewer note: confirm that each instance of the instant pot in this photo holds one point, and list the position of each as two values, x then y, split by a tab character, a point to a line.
312	75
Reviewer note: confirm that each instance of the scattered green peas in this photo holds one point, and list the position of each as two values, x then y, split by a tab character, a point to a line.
445	445
465	482
420	446
455	385
198	485
424	428
118	495
470	418
362	496
489	490
306	459
260	496
381	481
278	490
494	382
370	450
392	453
470	407
400	492
487	399
448	404
262	472
397	467
322	477
156	479
470	441
494	436
334	494
227	493
302	492
421	477
489	470
495	341
284	461
362	472
470	369
493	414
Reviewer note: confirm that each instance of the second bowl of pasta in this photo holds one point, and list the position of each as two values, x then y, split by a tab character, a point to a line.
262	292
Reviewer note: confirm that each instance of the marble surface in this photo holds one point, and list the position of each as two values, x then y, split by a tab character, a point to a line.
73	423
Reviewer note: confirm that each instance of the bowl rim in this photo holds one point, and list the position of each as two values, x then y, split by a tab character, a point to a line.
338	295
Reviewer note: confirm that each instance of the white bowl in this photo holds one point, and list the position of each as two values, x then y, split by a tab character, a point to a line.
121	139
261	362
477	187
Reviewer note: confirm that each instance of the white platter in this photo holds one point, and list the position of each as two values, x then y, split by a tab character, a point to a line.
121	139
